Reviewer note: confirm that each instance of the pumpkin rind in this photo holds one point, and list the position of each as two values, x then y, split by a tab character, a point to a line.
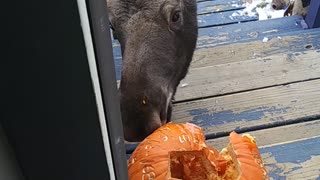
239	160
150	159
246	156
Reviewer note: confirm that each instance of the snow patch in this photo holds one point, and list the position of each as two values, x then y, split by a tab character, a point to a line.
259	8
265	39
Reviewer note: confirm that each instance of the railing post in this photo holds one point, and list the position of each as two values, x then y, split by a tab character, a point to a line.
101	36
313	16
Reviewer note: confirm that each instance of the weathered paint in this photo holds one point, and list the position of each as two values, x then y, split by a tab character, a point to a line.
236	33
302	37
222	18
243	112
297	42
293	159
291	152
249	30
273	136
197	112
206	119
245	72
203	0
219	6
117	56
316	123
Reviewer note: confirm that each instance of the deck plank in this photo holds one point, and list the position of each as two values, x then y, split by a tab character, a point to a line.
295	160
252	110
244	32
214	37
276	135
278	43
222	18
219	6
249	74
204	0
289	152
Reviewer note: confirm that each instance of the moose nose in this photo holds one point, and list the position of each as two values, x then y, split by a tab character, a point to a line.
138	132
274	6
155	122
132	137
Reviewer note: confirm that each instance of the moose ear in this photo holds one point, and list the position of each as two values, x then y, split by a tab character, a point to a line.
172	12
118	16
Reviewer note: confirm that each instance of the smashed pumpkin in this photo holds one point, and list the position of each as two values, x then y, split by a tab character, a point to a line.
179	151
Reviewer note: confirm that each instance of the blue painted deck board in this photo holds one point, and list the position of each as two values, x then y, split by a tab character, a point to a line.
252	110
276	135
252	65
235	33
213	52
313	16
219	6
288	152
294	160
204	0
222	18
243	32
117	56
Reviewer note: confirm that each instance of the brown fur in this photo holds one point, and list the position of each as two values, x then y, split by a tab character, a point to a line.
294	8
157	39
298	8
280	4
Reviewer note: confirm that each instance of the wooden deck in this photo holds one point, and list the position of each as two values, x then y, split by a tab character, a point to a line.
268	89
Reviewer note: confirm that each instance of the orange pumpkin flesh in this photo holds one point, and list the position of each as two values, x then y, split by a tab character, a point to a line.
189	165
244	153
179	151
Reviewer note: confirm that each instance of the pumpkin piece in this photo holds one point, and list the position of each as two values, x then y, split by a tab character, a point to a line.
247	162
191	165
216	159
178	151
150	159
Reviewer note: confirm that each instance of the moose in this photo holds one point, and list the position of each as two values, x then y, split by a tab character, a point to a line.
297	7
157	39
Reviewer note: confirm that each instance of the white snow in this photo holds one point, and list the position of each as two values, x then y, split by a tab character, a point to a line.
261	9
235	5
184	85
265	39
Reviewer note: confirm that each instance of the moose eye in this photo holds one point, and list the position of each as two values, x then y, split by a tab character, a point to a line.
175	17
